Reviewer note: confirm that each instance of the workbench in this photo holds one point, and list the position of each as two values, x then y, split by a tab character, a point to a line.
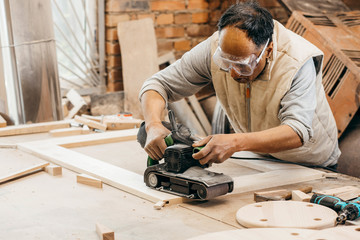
41	206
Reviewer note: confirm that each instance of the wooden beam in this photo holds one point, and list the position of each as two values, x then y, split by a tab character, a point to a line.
23	172
199	112
274	179
104	232
33	128
90	123
298	195
54	170
120	124
89	180
63	132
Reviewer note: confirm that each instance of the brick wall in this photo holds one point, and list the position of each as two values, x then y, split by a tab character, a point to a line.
179	26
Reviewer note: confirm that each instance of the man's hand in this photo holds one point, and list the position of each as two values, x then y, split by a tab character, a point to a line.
218	148
155	142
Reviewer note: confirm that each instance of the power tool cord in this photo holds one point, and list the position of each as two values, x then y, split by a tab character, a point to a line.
287	162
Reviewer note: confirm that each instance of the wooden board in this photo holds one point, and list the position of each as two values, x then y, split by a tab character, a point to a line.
257	234
22	172
90	123
33	128
63	132
286	214
104	232
345	193
120	124
336	233
139	59
274	179
54	150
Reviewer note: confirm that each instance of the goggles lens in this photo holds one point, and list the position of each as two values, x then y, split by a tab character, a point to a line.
242	66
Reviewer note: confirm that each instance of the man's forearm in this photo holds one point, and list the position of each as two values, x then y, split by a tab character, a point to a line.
153	106
272	140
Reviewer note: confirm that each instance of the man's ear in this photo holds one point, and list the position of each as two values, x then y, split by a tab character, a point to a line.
269	49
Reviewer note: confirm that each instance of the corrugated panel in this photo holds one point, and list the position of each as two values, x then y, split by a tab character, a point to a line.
350	19
354	55
320	20
296	27
334	73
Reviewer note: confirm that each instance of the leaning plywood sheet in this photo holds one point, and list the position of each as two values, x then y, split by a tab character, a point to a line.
139	59
54	150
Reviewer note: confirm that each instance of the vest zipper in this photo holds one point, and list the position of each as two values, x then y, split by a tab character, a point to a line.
248	95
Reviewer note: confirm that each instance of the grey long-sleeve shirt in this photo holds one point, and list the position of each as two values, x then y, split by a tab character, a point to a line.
192	72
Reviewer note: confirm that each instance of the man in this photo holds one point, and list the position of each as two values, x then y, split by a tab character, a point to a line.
268	81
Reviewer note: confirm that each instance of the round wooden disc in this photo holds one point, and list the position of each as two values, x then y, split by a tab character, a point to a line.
336	233
259	233
286	214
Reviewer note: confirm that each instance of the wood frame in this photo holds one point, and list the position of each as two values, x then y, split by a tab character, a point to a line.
56	150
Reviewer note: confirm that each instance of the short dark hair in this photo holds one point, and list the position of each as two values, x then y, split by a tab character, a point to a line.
256	21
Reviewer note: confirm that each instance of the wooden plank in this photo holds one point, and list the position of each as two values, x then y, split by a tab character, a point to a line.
199	112
138	47
90	123
274	179
33	128
120	124
94	118
279	194
63	132
185	115
22	172
104	232
89	180
2	122
94	139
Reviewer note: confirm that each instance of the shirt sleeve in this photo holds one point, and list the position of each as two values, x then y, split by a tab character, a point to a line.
298	106
184	77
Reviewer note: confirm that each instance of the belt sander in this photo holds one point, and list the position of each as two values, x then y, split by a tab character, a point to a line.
180	173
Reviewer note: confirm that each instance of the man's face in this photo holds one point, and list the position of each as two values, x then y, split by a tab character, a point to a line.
235	42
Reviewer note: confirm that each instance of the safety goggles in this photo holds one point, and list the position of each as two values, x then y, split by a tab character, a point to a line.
243	66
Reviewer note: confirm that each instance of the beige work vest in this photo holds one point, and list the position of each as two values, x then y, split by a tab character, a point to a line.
260	111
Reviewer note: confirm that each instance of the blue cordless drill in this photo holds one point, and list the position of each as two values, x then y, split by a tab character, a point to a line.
347	210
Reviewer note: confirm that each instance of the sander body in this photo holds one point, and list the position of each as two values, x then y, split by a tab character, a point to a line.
181	174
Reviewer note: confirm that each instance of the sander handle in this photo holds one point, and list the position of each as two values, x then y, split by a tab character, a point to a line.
169	142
